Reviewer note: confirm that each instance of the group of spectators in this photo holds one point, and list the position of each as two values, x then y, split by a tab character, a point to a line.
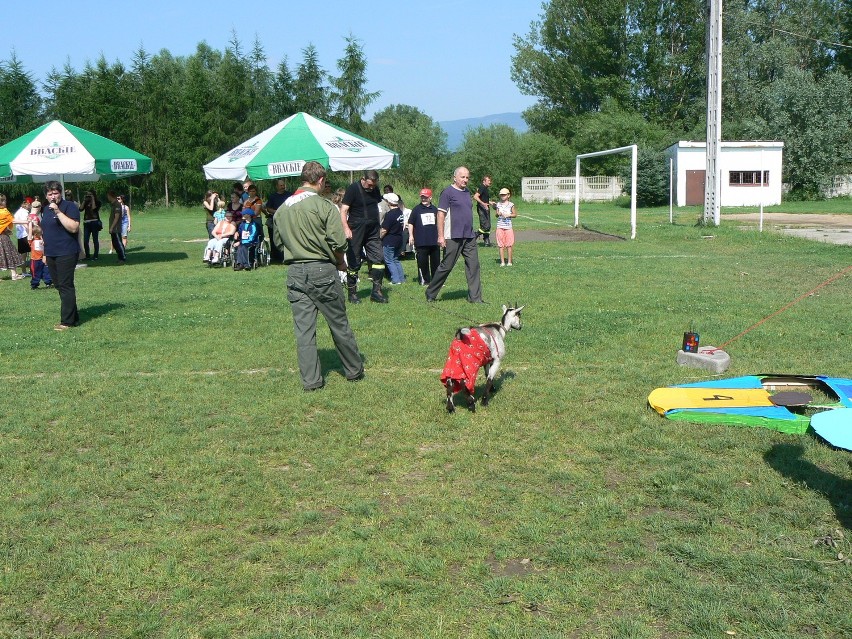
26	225
238	222
118	223
48	240
380	230
27	222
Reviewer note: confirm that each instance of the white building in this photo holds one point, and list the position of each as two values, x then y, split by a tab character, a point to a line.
751	172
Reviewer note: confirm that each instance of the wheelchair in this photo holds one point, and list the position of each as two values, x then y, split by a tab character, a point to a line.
259	254
228	254
263	254
225	255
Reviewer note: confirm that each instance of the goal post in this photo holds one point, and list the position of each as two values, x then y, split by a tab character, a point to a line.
622	149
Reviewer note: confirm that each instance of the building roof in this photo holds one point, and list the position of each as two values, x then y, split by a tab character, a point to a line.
745	144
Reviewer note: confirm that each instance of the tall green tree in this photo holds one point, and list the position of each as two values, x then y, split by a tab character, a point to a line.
149	119
652	177
666	48
541	154
283	91
844	54
20	100
811	116
597	81
573	59
233	97
420	142
196	132
310	92
62	90
492	151
350	95
262	108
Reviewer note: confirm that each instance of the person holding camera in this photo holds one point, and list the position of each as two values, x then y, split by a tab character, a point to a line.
92	224
211	205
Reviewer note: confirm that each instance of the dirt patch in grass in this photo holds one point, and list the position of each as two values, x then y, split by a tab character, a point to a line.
565	235
509	567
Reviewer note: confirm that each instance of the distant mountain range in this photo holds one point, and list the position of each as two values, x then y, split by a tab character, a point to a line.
455	128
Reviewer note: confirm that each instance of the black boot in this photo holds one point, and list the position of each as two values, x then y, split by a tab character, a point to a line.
377	295
352	288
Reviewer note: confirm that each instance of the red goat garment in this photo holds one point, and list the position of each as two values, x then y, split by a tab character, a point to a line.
467	355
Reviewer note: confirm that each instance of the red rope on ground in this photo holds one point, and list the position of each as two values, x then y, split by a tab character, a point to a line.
795	301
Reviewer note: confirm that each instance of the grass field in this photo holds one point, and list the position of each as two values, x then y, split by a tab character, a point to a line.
163	475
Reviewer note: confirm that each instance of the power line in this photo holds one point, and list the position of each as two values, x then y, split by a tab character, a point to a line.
799	35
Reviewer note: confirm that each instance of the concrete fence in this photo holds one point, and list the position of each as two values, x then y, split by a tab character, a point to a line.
841	185
561	189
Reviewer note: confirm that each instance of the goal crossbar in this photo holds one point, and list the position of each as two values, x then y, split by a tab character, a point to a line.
633	152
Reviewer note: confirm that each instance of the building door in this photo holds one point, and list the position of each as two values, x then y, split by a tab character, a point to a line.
695	188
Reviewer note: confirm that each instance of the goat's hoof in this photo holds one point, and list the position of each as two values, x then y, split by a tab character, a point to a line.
451	408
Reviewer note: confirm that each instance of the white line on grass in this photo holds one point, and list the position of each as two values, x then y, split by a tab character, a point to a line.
560	258
387	370
538	219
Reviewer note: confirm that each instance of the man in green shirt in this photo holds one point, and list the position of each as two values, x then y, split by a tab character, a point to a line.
307	229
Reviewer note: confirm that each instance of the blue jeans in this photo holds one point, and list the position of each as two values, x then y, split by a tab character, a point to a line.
245	255
118	246
39	272
391	254
90	232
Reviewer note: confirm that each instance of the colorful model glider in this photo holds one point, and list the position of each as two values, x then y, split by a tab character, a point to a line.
780	402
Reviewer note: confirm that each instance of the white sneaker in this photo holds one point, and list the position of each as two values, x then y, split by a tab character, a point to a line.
509	264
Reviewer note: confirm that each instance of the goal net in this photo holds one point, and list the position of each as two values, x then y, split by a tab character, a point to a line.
622	149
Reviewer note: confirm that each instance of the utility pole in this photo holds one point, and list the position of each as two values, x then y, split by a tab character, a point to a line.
713	173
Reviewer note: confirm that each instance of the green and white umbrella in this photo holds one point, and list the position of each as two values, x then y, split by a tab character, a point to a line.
67	153
283	149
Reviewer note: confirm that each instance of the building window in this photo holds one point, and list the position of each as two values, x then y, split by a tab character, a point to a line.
748	178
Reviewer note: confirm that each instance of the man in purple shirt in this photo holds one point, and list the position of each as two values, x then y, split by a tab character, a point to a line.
458	238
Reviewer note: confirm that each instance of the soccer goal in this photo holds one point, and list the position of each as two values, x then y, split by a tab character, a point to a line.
622	149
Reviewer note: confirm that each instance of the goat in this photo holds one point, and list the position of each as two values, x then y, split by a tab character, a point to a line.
472	348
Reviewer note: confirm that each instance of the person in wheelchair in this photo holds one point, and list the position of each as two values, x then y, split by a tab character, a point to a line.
247	236
224	231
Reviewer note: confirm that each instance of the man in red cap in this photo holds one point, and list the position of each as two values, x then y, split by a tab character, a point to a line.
423	231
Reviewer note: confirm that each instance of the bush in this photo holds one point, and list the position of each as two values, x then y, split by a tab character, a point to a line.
652	175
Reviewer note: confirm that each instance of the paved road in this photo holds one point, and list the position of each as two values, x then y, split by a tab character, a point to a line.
835	229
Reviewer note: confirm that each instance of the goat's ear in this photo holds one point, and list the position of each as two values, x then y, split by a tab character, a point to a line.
505	308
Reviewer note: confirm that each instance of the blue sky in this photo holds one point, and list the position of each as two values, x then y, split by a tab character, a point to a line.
450	59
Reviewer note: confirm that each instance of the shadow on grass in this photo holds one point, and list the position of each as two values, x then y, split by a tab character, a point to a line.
458	294
502	376
330	362
603	235
94	312
787	460
138	255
